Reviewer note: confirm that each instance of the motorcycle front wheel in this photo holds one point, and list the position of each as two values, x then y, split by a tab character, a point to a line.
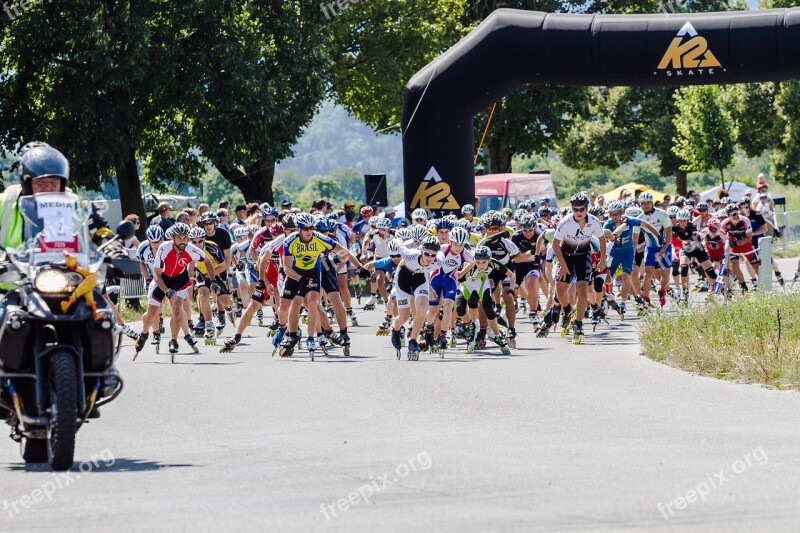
64	411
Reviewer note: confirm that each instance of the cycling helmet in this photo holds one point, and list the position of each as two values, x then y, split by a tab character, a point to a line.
713	224
482	252
519	214
615	205
480	228
673	210
197	233
269	211
419	213
403	234
276	229
417	232
564	211
444	223
241	231
467	208
40	160
253	228
452	218
507	213
304	220
597	211
545	211
633	212
383	223
459	235
125	229
209	216
179	228
496	219
393	248
702	206
721	213
544	199
689	204
461	224
645	197
289	222
367	211
321	224
154	233
525	206
684	214
528	223
579	200
431	244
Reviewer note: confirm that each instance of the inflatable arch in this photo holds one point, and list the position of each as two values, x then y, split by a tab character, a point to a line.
512	48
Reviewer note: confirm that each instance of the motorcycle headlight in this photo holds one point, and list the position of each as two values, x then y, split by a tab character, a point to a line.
54	281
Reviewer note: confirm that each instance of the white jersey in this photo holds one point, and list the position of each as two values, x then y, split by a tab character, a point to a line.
451	262
380	245
145	254
173	263
411	261
659	219
577	240
240	254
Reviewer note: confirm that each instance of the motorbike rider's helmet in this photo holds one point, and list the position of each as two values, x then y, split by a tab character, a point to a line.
40	160
126	229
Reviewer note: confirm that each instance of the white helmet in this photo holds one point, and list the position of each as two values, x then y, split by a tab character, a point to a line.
418	232
684	214
403	233
645	197
419	213
673	210
197	233
633	212
393	248
241	231
382	223
459	235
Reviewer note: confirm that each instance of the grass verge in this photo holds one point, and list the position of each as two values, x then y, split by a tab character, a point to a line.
751	340
793	250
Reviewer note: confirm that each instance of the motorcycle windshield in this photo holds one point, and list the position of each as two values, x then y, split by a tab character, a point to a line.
55	226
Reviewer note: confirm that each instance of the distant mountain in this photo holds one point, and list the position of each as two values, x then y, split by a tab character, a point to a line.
336	140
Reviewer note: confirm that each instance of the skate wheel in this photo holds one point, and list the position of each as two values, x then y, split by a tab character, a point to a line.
577	339
172	358
346	351
594	328
512	343
135	355
311	354
398	354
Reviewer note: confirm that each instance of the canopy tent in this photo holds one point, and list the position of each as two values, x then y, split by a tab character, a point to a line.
735	190
634	188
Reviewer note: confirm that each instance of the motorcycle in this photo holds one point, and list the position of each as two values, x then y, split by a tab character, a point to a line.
58	343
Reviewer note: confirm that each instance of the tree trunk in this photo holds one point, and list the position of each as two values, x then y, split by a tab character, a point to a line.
256	185
722	177
681	180
130	190
500	158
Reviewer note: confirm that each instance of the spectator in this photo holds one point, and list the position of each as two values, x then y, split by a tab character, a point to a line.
601	201
222	213
593	197
667	200
286	205
183	216
202	208
391	214
241	216
162	218
192	215
762	187
132	243
477	205
224	204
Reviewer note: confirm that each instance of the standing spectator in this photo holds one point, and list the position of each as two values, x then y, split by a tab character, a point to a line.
132	243
183	216
222	213
162	218
601	201
593	197
192	216
202	208
391	214
224	204
286	205
241	216
667	200
762	187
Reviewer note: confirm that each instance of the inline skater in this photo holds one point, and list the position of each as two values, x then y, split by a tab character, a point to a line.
411	281
476	280
659	250
171	269
692	248
572	249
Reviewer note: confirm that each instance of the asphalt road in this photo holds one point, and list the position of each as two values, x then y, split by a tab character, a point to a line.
554	437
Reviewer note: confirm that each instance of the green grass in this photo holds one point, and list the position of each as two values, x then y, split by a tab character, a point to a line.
752	340
792	250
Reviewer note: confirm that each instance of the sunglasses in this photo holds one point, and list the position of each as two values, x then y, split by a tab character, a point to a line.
578	209
615	213
733	214
395	256
426	254
209	223
527	229
271	220
672	216
306	229
198	241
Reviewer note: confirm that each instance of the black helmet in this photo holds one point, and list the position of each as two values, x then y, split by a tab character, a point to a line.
125	229
40	160
209	216
579	199
431	244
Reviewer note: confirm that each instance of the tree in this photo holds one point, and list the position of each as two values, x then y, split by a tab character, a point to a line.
704	129
786	156
752	109
99	86
258	77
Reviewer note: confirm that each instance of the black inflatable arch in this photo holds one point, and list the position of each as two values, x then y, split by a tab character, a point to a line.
513	47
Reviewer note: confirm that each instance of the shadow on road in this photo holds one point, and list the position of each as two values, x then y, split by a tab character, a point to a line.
120	464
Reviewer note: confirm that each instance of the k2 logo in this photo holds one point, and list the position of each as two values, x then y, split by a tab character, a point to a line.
434	193
689	54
